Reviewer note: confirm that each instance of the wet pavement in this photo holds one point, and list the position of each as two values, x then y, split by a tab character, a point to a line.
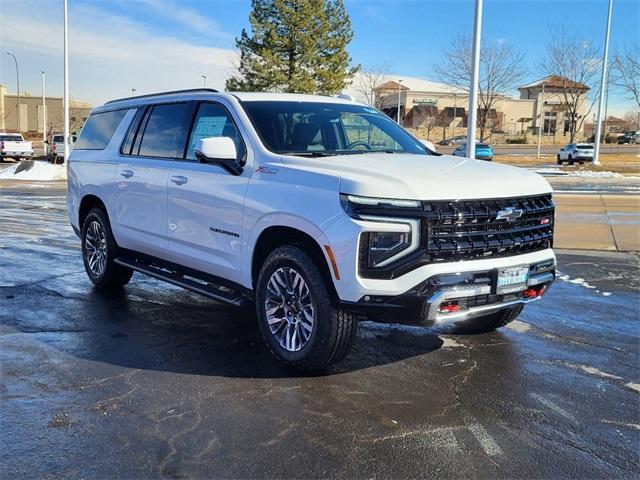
152	381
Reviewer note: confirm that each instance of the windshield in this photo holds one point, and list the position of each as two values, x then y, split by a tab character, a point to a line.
325	129
11	138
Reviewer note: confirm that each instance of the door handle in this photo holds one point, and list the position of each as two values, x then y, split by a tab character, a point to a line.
179	179
127	173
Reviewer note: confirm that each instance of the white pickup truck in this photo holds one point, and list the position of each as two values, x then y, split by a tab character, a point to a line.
13	145
316	211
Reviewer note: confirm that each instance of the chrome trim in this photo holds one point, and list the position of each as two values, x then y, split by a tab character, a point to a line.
434	317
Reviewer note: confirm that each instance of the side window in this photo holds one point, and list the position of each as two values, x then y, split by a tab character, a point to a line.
98	130
213	120
165	134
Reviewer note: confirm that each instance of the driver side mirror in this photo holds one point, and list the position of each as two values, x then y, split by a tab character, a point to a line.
429	145
219	151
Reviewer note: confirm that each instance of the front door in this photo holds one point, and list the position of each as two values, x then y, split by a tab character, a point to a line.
206	202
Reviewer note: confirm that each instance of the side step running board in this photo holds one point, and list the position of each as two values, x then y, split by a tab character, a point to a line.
209	289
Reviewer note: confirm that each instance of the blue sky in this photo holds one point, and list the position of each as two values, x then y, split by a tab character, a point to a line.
152	45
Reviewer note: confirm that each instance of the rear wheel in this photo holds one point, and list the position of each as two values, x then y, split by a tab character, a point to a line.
298	320
99	251
488	323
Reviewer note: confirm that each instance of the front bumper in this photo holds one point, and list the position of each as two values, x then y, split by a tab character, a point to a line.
452	298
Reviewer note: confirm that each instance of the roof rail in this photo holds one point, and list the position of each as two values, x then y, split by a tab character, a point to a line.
149	95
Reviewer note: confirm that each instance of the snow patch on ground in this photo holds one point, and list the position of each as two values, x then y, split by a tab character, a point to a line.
577	173
448	342
34	170
581	282
518	326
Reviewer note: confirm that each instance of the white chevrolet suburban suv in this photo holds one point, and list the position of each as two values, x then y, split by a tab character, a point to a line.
319	211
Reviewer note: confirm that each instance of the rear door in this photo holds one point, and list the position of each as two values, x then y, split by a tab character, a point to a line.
206	202
156	140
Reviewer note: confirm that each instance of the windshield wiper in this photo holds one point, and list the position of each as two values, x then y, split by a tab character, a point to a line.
312	153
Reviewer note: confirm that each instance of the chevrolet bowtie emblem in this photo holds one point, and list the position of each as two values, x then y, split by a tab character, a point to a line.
509	214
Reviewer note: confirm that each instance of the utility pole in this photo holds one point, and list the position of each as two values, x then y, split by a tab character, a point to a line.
603	82
475	73
18	87
455	113
44	116
67	143
204	81
541	111
399	91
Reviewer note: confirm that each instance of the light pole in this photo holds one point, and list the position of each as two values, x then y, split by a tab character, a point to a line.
475	73
44	116
603	82
399	91
204	81
66	87
18	87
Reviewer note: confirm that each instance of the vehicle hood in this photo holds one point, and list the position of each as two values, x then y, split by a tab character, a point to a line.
423	177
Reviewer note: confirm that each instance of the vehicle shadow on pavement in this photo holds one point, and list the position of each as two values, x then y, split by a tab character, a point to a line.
177	332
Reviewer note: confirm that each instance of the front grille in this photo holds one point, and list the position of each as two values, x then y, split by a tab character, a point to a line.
470	229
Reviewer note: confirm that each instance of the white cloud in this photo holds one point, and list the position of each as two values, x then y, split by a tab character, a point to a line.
108	54
188	17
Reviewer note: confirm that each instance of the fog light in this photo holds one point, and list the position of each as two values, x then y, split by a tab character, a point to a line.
449	307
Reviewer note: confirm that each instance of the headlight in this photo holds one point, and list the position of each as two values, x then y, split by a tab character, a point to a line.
400	237
397	235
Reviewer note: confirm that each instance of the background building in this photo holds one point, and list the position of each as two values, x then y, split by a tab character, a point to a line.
436	110
31	113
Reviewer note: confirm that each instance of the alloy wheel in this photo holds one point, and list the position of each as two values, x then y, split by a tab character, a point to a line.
289	309
96	248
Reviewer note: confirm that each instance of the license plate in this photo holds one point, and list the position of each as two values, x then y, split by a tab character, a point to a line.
512	279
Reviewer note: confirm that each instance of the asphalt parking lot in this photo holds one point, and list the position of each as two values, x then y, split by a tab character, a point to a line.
153	381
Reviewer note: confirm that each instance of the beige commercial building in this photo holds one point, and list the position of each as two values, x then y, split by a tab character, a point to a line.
31	113
439	111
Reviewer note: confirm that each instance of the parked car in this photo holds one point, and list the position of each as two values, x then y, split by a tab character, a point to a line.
56	146
13	145
283	203
483	151
460	139
629	137
576	152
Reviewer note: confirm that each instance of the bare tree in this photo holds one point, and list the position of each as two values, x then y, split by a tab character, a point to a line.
371	77
501	69
574	61
632	120
625	72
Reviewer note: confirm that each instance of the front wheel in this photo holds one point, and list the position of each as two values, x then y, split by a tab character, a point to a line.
488	323
99	251
559	160
298	320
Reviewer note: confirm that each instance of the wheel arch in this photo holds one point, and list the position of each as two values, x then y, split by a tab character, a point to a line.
87	203
276	236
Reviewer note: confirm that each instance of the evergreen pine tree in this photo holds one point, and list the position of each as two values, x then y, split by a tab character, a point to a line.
295	46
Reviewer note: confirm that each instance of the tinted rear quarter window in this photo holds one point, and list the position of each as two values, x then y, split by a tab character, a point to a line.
165	134
99	129
11	138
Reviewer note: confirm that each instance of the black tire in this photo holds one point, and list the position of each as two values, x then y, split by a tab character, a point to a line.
559	161
333	329
488	323
111	275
